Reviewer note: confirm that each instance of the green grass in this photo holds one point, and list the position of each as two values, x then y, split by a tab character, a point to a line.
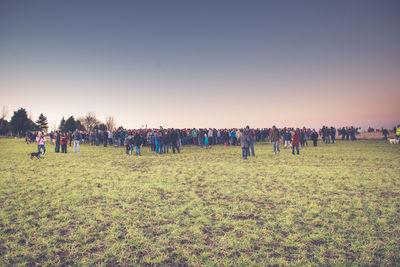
332	205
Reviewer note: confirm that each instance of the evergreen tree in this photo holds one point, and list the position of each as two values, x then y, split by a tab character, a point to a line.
62	125
70	124
42	123
20	123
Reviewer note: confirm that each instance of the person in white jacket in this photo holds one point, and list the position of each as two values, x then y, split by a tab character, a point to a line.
40	140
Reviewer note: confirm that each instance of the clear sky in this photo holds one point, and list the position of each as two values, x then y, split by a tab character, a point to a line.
203	63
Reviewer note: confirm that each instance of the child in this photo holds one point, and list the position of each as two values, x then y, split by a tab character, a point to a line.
206	140
40	139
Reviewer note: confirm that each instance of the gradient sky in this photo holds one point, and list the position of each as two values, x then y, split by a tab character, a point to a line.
203	63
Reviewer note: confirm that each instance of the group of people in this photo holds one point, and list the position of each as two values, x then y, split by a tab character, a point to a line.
162	140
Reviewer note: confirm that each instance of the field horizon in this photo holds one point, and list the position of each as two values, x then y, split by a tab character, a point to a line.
336	204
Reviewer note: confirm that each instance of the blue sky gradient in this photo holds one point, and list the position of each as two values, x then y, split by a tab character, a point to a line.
205	63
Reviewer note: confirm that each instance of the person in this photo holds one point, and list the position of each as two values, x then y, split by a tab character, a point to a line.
51	138
333	134
64	142
105	138
252	141
70	138
244	143
385	133
398	132
206	140
314	137
77	138
57	137
40	140
275	138
296	141
174	139
287	137
157	142
137	140
128	144
303	138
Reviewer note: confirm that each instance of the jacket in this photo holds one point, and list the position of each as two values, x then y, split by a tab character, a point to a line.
275	135
245	139
295	139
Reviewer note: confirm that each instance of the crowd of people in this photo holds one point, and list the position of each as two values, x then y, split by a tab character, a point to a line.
162	141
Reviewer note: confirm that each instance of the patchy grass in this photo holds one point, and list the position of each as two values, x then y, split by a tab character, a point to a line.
332	205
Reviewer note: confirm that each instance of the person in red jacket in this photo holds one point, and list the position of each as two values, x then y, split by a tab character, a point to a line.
296	141
63	142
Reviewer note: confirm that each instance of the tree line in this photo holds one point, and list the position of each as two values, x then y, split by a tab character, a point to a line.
20	123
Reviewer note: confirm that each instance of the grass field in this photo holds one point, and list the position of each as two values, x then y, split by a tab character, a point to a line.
332	205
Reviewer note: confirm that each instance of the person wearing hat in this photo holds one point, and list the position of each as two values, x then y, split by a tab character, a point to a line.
275	138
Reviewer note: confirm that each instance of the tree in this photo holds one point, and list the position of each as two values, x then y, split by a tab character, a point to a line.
20	123
102	127
70	124
4	127
79	125
62	125
42	123
4	113
31	125
110	123
89	121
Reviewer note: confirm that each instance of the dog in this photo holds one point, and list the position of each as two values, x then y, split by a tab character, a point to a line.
394	141
36	154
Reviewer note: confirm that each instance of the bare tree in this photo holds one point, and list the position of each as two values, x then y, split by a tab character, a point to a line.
110	123
4	113
89	121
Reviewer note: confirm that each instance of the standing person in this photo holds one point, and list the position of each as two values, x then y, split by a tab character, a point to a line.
353	133
327	134
40	140
64	142
57	137
174	140
302	137
275	137
244	143
233	137
200	137
77	138
157	150
128	144
206	140
333	134
314	137
296	141
137	140
287	137
194	137
97	137
70	138
398	132
105	138
252	140
51	138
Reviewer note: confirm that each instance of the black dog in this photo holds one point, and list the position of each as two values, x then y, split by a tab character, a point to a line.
36	154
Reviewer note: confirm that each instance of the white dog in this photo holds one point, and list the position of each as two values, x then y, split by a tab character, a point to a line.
394	141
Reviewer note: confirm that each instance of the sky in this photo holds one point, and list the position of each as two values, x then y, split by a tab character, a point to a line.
203	63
